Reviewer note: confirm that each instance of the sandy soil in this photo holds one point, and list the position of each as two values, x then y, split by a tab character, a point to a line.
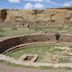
6	68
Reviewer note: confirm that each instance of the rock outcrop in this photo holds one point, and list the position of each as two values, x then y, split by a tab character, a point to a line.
3	14
36	18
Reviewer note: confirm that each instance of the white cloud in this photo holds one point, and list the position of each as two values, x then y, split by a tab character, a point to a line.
51	1
14	1
54	3
35	0
68	4
32	6
28	6
38	6
47	1
39	0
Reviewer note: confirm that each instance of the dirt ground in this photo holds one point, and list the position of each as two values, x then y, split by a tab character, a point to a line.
5	68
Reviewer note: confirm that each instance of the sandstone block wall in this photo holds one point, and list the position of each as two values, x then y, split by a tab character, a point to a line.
8	43
39	18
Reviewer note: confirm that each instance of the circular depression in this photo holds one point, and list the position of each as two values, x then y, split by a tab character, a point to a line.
45	46
47	53
16	42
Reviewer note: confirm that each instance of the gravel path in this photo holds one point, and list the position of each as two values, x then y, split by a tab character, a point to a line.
5	68
36	64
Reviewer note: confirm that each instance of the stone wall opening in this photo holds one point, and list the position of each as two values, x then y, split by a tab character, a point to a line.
28	58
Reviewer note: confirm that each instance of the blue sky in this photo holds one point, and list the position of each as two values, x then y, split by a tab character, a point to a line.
34	4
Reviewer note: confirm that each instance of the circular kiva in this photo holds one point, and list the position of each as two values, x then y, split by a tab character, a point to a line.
14	42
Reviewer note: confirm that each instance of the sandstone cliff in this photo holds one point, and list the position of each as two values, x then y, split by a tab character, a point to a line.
36	18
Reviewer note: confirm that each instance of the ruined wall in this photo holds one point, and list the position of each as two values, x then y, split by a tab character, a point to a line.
40	18
8	43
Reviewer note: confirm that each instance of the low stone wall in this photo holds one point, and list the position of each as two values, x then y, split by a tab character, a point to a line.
12	42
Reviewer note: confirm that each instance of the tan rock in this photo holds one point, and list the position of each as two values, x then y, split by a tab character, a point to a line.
44	18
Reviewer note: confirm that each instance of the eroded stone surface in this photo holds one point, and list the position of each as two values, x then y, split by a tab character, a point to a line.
15	41
40	18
